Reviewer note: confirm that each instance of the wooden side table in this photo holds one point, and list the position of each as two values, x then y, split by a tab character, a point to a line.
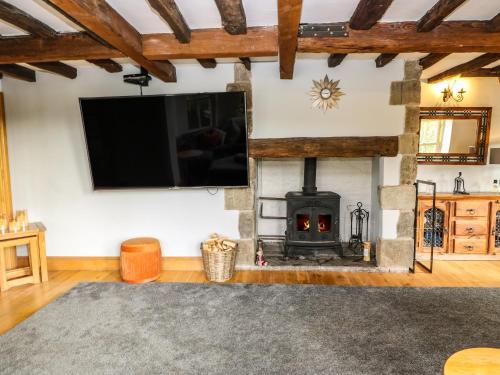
34	238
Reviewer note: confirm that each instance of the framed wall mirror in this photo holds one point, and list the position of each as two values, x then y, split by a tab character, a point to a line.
454	135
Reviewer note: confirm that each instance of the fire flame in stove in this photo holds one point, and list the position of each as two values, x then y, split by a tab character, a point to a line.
306	225
321	227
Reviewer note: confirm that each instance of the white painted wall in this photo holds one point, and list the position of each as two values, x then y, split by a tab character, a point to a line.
50	172
481	92
283	108
51	177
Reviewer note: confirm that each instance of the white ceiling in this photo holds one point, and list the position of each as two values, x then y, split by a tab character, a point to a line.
204	14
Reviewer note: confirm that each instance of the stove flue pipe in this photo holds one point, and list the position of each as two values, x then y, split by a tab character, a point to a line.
309	187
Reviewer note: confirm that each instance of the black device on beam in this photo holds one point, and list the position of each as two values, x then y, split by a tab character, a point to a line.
142	79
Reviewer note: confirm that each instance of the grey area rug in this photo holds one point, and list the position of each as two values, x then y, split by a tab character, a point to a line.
115	328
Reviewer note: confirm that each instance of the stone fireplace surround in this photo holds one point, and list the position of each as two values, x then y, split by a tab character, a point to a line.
392	181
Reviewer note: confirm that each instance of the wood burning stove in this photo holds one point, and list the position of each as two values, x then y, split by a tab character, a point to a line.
312	217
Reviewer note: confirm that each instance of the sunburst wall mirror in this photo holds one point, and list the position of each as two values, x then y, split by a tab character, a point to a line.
325	94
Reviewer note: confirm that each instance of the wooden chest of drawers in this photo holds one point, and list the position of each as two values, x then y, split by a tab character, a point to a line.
465	224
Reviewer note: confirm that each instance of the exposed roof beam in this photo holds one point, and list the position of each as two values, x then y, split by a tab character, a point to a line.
494	24
483	72
233	16
107	64
336	59
449	37
288	27
246	61
367	13
212	43
18	72
399	37
169	11
105	22
77	46
431	59
208	63
474	64
57	67
24	21
437	14
384	59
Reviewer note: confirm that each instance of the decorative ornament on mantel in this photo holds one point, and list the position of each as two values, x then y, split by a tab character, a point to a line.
325	93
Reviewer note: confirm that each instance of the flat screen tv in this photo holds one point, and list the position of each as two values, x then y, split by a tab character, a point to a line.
165	141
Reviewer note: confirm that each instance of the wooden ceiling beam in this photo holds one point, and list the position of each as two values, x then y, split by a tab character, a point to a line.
471	65
57	67
368	13
107	64
18	72
431	59
437	14
336	59
289	12
74	46
208	63
212	43
384	59
233	16
400	37
494	24
168	10
483	72
105	22
246	61
24	21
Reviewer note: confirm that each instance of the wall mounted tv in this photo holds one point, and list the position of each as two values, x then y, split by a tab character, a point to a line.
164	141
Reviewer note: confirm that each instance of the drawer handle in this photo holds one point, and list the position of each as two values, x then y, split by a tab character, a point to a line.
469	230
469	247
471	211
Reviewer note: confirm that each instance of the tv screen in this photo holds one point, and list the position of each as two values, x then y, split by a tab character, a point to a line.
189	140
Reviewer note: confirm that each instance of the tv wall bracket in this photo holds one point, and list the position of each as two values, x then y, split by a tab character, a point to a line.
142	79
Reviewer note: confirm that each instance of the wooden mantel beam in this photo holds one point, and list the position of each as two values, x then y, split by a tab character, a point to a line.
105	22
367	13
400	37
344	147
289	12
437	14
212	43
233	16
169	11
24	21
472	65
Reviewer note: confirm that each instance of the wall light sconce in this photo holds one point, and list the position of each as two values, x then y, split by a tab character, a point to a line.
448	93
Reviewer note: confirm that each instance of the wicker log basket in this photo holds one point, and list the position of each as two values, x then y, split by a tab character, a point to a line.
219	257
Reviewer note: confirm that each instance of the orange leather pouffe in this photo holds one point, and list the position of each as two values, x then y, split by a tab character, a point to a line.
140	260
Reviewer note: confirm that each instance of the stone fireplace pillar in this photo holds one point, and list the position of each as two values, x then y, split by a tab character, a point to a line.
396	251
243	199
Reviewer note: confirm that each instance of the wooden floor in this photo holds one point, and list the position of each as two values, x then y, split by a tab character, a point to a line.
19	303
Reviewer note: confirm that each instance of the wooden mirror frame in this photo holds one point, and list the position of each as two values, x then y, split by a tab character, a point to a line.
483	117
